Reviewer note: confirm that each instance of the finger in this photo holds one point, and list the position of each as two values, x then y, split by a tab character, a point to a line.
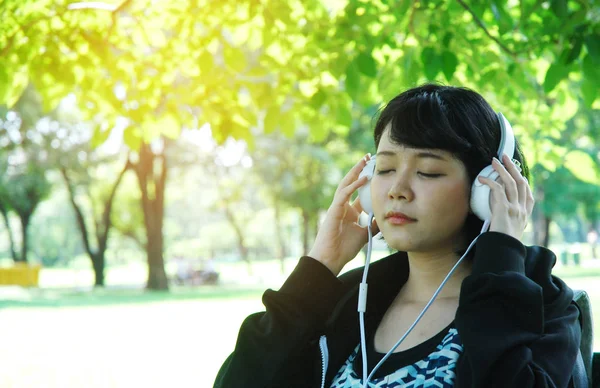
521	182
495	187
344	194
354	172
509	182
530	200
357	205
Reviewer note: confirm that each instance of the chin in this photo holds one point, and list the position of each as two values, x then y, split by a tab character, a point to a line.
399	243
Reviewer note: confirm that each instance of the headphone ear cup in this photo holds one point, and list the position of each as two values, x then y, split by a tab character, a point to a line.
480	194
364	195
364	192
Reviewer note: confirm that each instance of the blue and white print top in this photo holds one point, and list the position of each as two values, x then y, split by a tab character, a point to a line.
430	364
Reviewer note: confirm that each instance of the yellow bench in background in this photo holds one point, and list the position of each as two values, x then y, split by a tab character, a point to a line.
21	274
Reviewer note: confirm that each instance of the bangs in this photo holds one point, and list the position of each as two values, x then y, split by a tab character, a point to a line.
422	121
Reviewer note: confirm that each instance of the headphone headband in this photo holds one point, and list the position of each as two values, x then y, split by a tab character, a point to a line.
507	138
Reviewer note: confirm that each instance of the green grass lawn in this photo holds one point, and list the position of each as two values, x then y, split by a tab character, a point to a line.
69	337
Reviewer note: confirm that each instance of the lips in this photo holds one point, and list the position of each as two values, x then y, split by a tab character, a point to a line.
397	218
398	215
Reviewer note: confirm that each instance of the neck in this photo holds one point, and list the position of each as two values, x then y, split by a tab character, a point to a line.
428	270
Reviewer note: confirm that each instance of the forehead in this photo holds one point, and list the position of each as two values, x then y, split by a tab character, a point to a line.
388	148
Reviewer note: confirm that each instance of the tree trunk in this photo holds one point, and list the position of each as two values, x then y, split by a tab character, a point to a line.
305	231
541	222
280	239
102	233
541	230
546	239
241	242
24	226
151	171
11	240
102	227
592	239
157	278
98	265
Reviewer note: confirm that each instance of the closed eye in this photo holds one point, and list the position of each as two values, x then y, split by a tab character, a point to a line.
425	175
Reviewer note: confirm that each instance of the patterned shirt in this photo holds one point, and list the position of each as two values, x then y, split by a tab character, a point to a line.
430	364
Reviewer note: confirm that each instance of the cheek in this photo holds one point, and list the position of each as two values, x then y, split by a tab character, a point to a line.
378	196
448	202
452	201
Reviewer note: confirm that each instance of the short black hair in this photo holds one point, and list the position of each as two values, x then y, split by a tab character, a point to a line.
455	119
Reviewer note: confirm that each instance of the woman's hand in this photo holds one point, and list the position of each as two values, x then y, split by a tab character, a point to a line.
511	199
340	237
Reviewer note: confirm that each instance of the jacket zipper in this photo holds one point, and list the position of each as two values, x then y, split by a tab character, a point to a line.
324	358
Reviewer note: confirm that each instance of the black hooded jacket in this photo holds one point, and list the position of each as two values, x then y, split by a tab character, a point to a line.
517	322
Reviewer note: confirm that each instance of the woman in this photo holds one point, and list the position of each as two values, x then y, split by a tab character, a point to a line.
501	320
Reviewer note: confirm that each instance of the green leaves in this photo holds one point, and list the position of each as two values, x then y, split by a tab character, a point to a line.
582	166
363	64
344	115
352	83
449	63
271	119
434	62
559	8
591	80
370	52
431	62
366	65
592	43
503	18
133	137
573	52
556	73
275	120
12	85
318	99
447	39
589	91
99	136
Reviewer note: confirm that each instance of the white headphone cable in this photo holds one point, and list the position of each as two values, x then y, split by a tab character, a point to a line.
362	296
362	299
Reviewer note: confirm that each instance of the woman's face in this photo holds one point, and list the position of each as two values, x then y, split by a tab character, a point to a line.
428	185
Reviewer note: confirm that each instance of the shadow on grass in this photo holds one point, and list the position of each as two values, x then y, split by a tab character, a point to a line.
51	298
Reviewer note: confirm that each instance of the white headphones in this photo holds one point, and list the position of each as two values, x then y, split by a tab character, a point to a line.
480	205
480	193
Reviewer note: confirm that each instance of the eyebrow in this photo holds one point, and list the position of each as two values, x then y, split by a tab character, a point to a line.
420	154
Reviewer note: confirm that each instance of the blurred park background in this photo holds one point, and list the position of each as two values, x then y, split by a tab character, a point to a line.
163	162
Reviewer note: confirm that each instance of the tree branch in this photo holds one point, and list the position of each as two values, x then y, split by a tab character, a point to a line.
94	207
78	213
480	24
4	212
411	20
105	223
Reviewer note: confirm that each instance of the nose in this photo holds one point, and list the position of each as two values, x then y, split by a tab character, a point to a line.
401	188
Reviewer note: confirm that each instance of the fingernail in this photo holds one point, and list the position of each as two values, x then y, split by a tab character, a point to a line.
494	159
